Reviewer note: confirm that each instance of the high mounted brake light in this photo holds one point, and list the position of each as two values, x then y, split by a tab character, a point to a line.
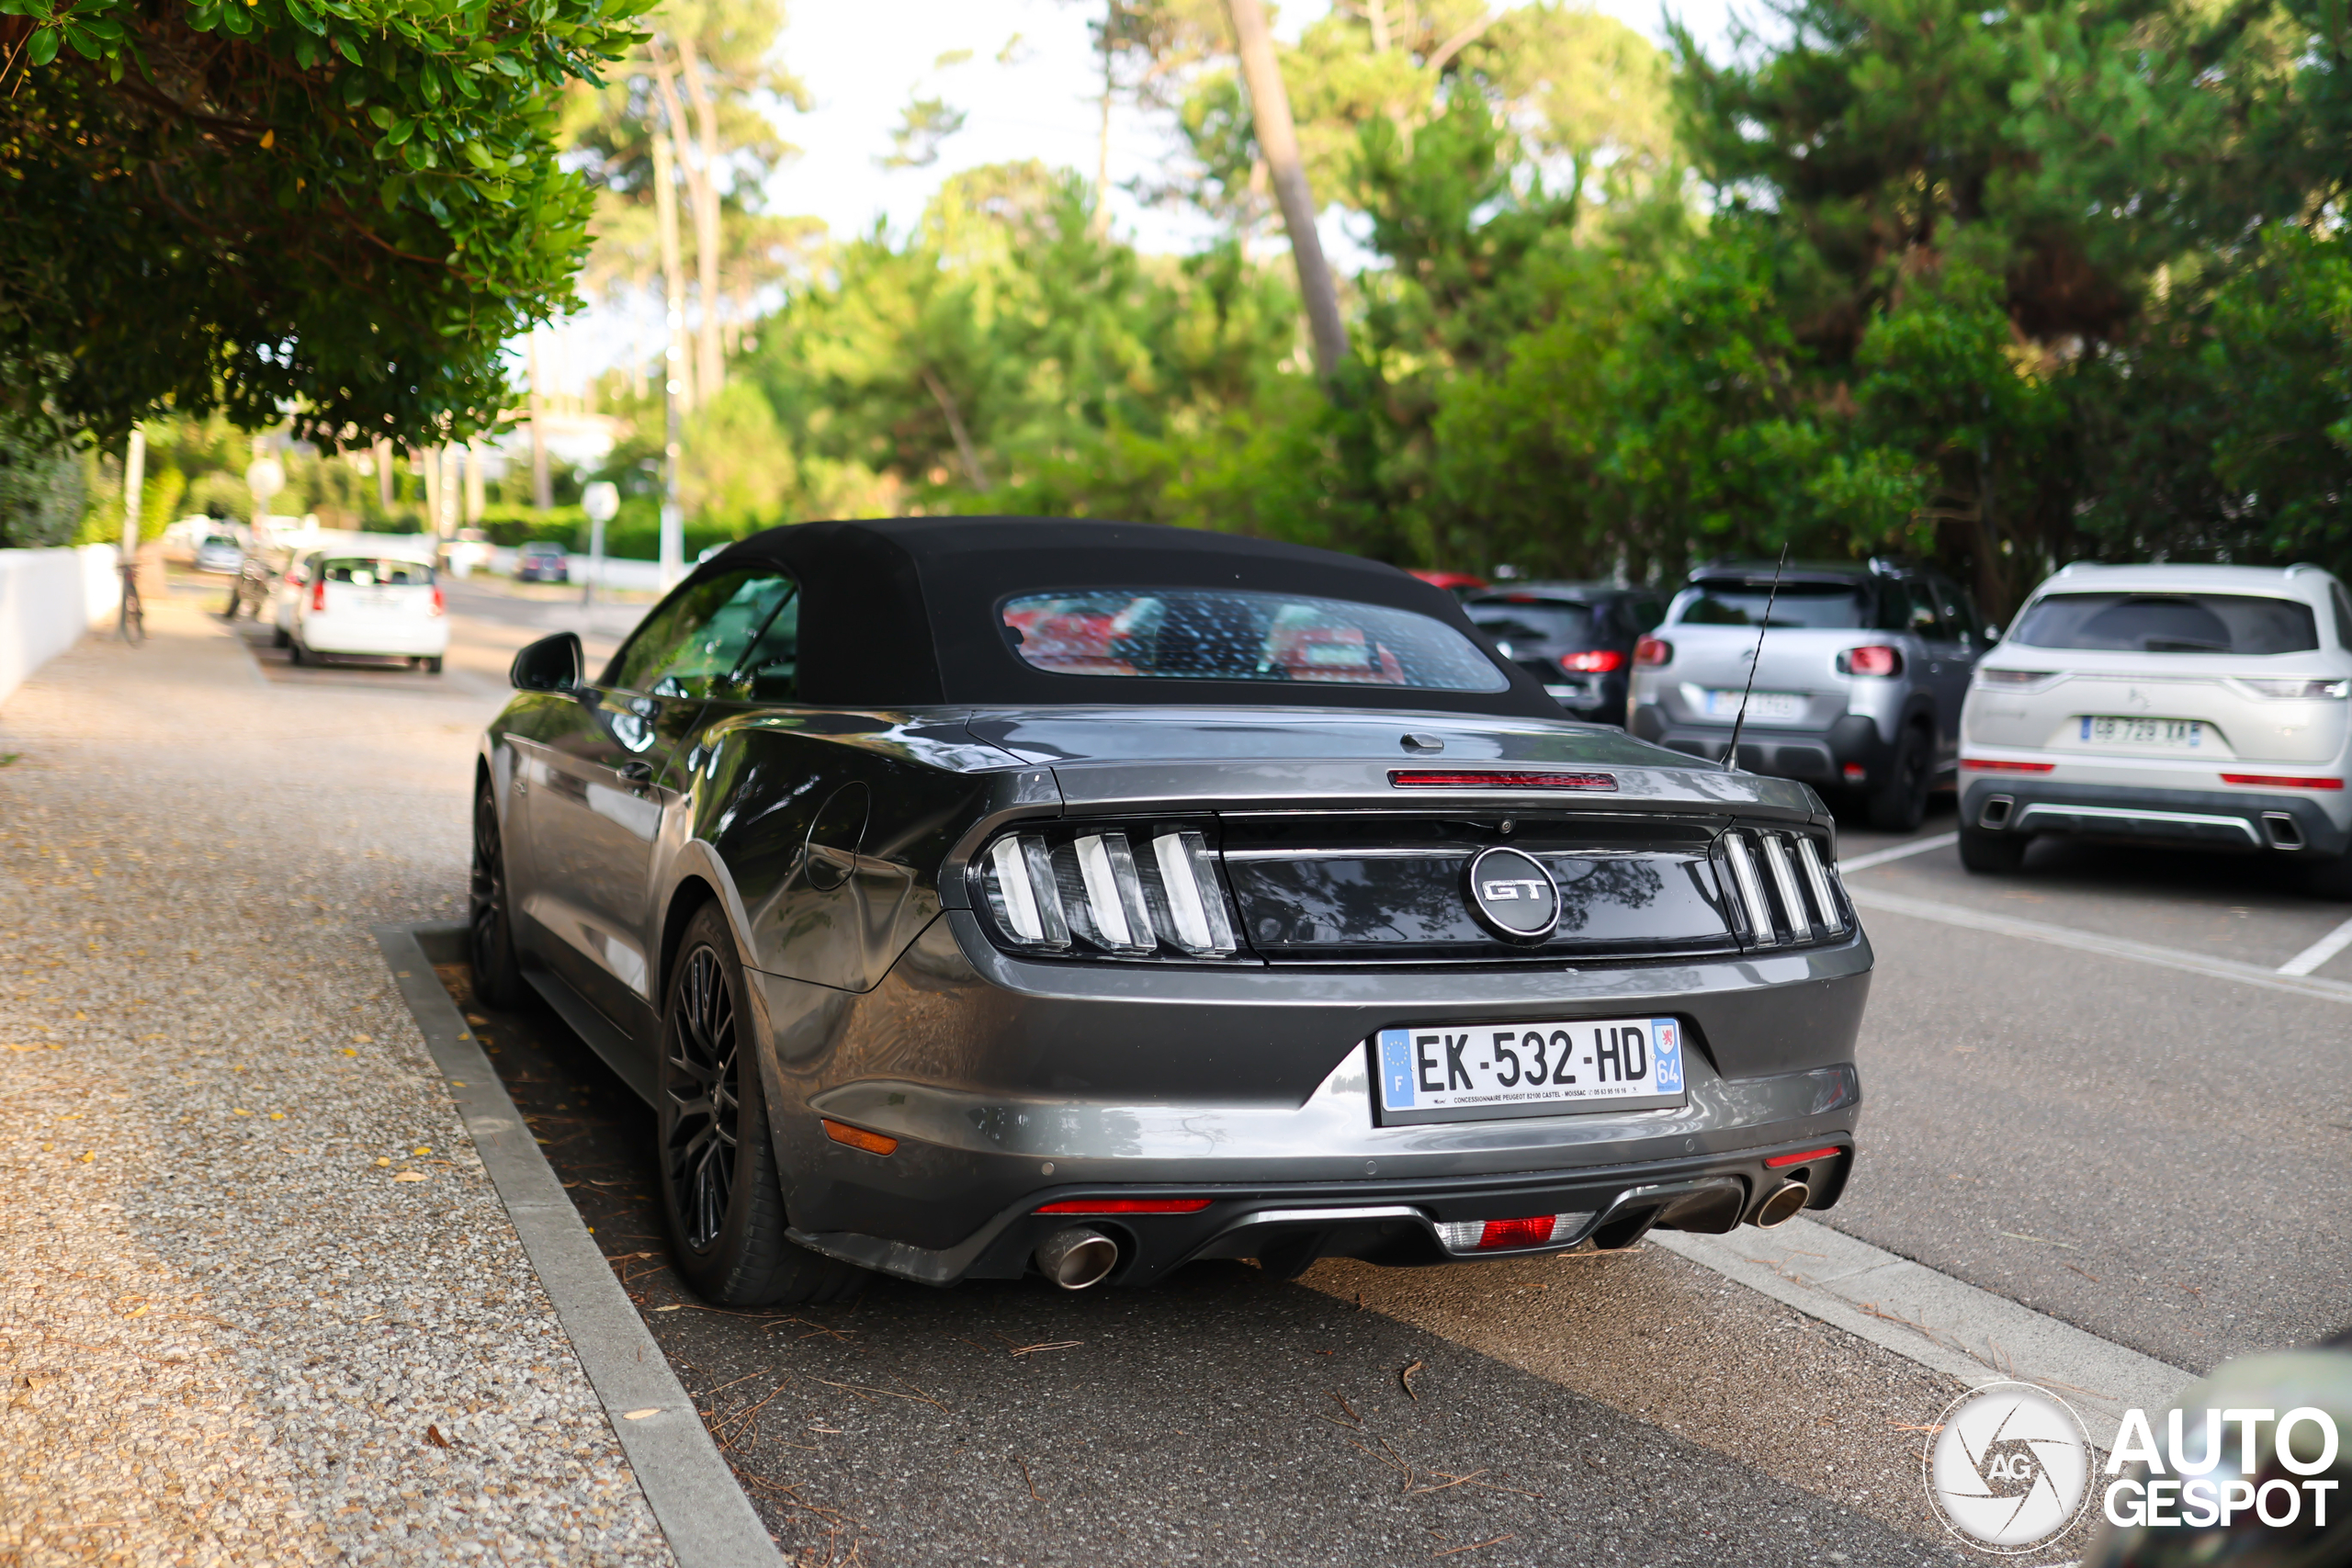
1463	778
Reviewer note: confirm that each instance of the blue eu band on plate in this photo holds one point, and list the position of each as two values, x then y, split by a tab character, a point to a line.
1485	1070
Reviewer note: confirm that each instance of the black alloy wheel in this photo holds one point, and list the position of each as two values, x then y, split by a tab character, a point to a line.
1900	802
498	979
700	1095
720	1194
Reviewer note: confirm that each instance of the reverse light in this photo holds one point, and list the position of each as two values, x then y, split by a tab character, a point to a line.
1876	659
1492	1236
1653	652
1094	890
1994	765
2281	783
1126	1206
2288	691
1593	662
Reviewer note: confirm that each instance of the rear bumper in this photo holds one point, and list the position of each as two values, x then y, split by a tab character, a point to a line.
1394	1222
1817	757
2245	821
1009	1084
422	637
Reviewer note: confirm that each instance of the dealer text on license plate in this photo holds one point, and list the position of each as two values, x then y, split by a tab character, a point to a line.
1459	1072
2172	733
1762	704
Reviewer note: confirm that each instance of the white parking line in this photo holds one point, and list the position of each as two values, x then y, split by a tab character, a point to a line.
2319	951
1880	857
2105	946
1934	1319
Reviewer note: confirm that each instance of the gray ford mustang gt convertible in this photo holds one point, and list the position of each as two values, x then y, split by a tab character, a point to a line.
970	896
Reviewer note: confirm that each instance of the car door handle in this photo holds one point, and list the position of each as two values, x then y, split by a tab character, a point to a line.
635	773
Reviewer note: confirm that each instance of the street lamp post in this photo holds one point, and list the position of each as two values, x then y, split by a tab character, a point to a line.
600	500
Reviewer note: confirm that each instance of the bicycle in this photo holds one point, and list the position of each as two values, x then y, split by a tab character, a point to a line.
130	623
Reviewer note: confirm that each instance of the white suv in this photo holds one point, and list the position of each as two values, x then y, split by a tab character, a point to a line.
2199	706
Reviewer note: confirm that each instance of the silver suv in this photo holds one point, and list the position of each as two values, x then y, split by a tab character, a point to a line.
1858	683
2197	706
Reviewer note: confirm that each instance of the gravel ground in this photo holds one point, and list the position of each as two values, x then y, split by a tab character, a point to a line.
258	1303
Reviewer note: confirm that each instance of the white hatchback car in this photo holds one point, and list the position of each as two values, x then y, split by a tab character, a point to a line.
2197	706
378	605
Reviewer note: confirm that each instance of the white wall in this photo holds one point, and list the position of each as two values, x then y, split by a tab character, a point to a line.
48	598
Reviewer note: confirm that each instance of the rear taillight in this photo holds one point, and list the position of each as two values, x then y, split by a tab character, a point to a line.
1093	890
1495	1235
440	606
1593	662
1994	765
1126	1206
293	577
1780	889
1653	652
318	594
1875	660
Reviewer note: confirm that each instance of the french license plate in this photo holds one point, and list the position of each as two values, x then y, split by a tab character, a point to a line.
2170	734
1463	1072
1762	704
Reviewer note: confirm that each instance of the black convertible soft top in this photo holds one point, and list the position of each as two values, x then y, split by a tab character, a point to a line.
903	612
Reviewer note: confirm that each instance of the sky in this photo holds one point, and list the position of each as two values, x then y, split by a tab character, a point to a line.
861	60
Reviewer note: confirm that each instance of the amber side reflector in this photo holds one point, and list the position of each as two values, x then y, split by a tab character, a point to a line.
858	1137
1126	1206
1458	778
1776	1161
2281	784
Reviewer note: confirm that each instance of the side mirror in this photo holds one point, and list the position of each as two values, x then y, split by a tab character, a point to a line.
551	664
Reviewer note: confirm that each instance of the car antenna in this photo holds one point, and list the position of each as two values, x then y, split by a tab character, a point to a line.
1730	754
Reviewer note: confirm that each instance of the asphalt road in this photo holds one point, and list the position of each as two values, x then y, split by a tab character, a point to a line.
2157	1156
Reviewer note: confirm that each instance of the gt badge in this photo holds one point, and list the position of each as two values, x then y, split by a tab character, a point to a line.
1513	896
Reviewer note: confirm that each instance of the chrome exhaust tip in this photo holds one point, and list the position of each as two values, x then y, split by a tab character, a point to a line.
1077	1257
1782	1206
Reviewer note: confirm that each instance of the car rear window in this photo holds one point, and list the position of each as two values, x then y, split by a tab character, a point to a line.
1829	604
1206	634
363	572
2169	622
1541	620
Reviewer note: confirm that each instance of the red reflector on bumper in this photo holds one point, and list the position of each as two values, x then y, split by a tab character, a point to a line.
1988	765
2281	784
1453	778
1126	1206
1776	1161
1533	1231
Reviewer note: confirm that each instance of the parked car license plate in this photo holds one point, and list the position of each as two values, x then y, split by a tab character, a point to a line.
1762	704
1467	1071
2173	734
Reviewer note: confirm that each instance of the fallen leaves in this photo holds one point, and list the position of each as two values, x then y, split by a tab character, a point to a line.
432	1435
411	1175
1406	1377
641	1415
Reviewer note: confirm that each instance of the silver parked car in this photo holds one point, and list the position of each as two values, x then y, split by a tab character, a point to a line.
2193	705
970	896
219	553
1858	679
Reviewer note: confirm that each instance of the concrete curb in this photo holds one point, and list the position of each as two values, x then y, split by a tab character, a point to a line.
692	1490
1936	1320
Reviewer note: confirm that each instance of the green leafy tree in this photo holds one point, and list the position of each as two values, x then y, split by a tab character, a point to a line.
343	208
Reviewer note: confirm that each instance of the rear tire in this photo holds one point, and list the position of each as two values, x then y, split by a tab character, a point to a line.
1899	804
277	638
433	665
1992	854
720	1195
295	653
498	977
2329	879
